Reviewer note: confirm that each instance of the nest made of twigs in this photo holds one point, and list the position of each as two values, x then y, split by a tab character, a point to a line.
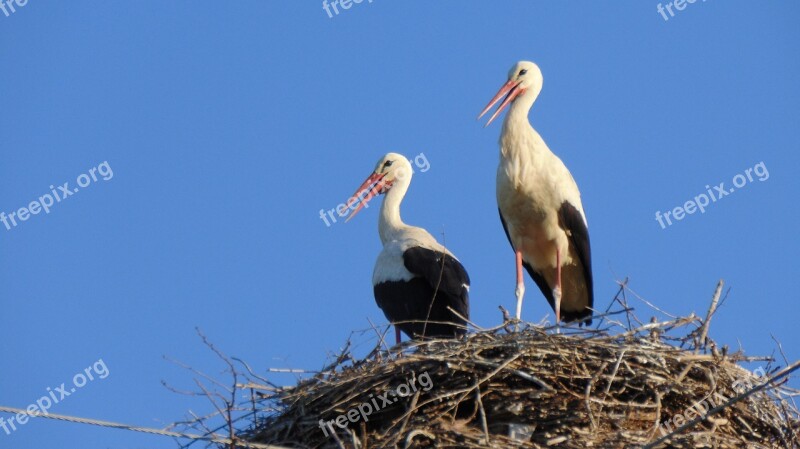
535	388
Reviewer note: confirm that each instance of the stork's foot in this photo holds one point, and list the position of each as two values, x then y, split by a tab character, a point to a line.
512	326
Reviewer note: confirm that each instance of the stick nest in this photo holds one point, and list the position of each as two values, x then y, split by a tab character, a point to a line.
535	388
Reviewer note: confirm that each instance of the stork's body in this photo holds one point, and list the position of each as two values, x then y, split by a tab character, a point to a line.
417	282
540	206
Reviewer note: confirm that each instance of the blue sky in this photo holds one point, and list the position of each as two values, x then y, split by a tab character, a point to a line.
228	126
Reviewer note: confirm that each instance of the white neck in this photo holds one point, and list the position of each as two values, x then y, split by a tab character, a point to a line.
390	224
517	116
519	140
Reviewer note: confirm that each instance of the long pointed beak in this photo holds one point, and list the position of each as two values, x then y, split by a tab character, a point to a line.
511	88
368	190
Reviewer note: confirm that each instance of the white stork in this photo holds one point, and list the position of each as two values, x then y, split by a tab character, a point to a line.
417	282
540	205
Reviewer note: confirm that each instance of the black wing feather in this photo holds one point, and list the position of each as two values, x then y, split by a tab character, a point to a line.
571	220
579	238
443	273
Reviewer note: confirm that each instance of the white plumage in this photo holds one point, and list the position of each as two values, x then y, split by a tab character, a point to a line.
417	282
540	204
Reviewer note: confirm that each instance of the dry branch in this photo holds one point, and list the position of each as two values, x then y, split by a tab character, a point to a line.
579	390
649	383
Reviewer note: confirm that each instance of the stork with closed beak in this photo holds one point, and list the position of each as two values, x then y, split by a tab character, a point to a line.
540	205
417	282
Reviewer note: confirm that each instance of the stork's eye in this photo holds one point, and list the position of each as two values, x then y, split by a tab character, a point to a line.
388	164
523	71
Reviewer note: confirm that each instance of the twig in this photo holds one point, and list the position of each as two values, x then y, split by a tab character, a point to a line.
115	425
711	309
484	424
783	373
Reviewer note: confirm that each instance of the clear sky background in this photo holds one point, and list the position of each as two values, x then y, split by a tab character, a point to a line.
229	125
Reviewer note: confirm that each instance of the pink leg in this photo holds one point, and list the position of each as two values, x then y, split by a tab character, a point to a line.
557	290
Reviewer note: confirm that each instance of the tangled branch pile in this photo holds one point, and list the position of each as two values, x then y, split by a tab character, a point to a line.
537	388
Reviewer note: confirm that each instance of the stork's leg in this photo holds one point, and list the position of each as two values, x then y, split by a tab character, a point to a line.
520	284
397	334
557	289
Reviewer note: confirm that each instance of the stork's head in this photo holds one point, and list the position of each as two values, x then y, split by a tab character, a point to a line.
524	77
391	169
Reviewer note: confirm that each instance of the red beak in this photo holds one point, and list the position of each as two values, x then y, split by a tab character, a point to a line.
512	89
368	190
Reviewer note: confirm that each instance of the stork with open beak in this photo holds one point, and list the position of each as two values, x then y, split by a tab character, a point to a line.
420	286
540	205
